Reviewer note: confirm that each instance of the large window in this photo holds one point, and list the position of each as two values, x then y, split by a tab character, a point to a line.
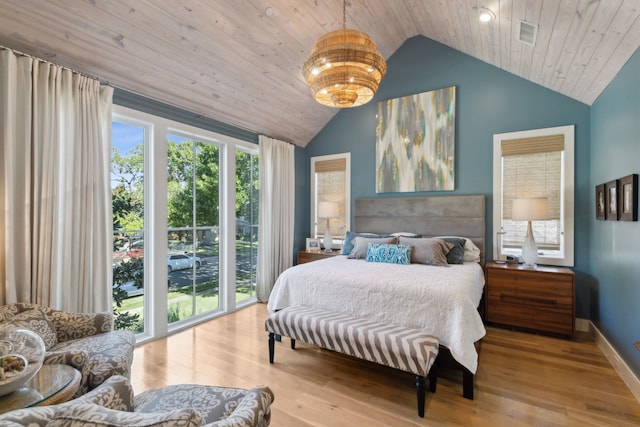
536	163
193	262
247	198
331	182
185	204
127	194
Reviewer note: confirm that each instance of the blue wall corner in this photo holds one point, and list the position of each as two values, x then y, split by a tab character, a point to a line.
614	254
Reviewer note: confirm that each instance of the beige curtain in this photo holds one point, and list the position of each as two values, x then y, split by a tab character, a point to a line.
276	217
55	246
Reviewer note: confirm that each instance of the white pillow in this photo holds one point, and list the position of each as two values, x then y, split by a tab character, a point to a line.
404	234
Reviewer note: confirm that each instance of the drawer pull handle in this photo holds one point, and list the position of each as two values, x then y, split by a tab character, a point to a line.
540	301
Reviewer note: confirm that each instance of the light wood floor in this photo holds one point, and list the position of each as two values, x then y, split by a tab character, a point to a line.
523	379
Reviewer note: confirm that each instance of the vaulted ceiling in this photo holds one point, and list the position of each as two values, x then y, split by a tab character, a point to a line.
239	61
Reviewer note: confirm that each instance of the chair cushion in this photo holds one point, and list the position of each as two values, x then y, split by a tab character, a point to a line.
37	321
91	415
212	403
115	393
109	354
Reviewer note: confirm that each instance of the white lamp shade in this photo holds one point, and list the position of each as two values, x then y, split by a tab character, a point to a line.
530	209
328	210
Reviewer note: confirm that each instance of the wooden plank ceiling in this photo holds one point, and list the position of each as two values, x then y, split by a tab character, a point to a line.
239	61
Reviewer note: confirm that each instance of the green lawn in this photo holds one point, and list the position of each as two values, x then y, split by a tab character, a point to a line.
181	301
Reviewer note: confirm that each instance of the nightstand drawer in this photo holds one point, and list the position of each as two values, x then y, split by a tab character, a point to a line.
536	289
308	256
558	320
541	299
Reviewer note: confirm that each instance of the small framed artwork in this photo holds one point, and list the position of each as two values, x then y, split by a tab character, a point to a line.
628	198
611	200
600	210
313	245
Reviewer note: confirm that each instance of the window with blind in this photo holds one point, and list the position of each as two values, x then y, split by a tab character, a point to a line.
537	163
331	182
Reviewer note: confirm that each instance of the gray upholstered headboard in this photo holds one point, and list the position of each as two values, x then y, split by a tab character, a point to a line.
430	216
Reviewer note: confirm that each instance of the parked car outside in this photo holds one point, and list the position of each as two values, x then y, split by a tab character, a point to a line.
131	289
182	262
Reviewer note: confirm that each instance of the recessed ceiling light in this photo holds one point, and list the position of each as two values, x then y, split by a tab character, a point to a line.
486	15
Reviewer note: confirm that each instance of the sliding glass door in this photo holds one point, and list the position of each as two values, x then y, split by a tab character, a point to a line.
247	197
193	265
127	195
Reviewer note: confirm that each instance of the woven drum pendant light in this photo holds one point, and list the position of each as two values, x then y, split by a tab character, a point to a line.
345	67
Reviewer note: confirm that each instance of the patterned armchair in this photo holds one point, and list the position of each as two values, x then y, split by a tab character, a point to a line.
114	404
85	341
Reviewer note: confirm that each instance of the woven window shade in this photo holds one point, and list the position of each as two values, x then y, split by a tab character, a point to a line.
535	145
330	178
335	165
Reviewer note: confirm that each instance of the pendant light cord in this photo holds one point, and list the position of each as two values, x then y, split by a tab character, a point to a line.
344	14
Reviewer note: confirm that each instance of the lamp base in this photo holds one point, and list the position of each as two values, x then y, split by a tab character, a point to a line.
327	241
529	249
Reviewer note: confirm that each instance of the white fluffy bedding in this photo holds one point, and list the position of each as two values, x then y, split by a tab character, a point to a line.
441	301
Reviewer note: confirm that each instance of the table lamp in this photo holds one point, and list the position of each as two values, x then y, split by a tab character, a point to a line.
530	209
328	210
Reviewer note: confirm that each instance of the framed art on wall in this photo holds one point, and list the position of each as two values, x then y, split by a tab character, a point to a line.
415	142
600	210
628	198
611	200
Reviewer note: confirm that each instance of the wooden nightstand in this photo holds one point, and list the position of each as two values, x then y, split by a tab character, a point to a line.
308	256
540	299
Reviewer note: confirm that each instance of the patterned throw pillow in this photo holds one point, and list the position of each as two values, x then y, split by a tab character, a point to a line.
37	321
393	254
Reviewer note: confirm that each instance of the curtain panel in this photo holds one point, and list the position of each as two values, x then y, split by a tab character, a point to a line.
54	187
276	217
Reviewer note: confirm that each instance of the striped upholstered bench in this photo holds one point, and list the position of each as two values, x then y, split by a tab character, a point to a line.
409	350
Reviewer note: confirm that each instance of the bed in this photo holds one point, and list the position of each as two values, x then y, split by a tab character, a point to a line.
442	301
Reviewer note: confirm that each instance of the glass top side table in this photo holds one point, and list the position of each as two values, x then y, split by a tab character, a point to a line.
52	384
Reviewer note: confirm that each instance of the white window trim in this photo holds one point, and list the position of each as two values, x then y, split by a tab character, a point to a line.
568	189
347	190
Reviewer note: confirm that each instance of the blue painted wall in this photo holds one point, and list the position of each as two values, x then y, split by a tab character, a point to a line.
489	101
615	253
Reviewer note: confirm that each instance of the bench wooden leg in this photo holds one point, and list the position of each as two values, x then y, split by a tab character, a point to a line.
421	394
272	346
467	384
293	344
433	378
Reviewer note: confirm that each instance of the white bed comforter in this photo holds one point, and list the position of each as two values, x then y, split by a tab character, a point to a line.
441	301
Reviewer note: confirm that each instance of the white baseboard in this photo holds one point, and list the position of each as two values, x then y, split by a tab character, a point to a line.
614	358
582	325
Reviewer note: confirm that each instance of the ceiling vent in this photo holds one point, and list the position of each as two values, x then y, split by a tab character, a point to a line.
527	33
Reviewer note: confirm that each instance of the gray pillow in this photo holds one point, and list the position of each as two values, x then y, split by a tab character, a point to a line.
360	245
429	251
347	245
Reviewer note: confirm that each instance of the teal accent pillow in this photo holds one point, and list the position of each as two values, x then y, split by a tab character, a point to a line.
393	254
